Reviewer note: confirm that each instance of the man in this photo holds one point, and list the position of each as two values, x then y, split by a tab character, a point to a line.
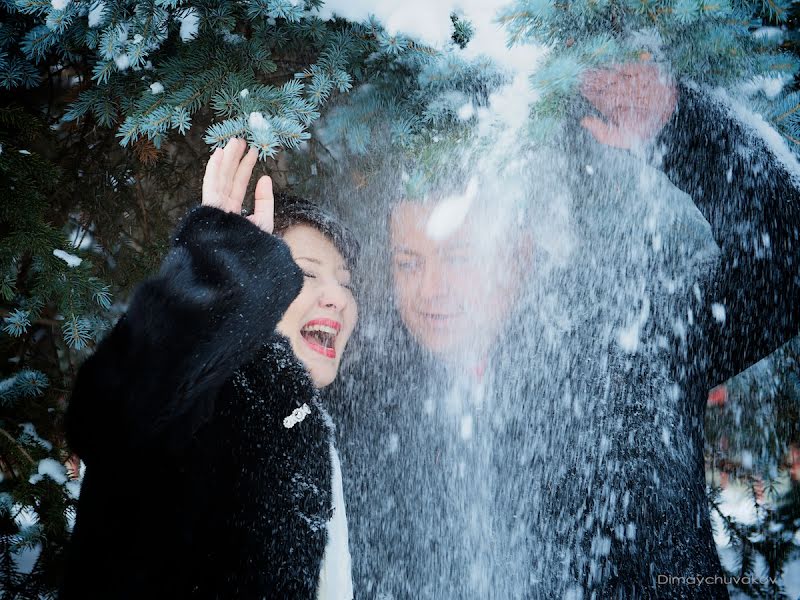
549	442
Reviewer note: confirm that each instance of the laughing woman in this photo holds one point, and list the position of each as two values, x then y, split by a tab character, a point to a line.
210	465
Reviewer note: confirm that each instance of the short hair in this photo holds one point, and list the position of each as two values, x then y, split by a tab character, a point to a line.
292	210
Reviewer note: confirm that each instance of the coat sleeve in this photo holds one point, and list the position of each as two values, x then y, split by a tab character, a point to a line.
752	203
220	292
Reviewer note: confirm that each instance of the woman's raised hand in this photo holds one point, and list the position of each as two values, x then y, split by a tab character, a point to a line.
227	175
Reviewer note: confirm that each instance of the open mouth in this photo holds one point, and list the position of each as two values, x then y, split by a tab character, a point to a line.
320	336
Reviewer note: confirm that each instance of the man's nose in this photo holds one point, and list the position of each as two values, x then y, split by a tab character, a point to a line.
434	280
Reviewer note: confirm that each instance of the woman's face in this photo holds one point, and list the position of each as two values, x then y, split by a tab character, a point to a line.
320	320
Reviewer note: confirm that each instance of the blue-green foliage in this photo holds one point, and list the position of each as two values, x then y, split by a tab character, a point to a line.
77	331
70	290
462	30
17	322
783	113
36	283
155	64
23	384
413	95
718	43
152	73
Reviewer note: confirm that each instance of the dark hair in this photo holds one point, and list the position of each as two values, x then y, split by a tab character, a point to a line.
293	210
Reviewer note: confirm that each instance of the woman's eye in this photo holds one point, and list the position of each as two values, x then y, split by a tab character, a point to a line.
307	274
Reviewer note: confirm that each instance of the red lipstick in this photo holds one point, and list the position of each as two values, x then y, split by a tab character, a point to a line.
320	336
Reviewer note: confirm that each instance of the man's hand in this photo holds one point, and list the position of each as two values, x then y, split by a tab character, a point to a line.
226	179
635	99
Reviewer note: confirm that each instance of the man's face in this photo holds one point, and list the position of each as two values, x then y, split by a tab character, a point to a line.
452	295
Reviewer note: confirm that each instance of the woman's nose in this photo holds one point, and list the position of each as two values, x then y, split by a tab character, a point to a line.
333	295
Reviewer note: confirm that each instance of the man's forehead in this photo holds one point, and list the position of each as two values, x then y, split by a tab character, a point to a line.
409	221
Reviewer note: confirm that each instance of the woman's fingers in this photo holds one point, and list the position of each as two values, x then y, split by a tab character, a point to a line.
211	195
226	178
231	158
241	178
264	213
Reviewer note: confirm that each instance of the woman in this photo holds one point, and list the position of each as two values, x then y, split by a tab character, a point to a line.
195	390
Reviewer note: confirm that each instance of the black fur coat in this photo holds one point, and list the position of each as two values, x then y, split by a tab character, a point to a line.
194	485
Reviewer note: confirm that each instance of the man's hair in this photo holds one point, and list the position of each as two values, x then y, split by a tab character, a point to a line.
293	210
